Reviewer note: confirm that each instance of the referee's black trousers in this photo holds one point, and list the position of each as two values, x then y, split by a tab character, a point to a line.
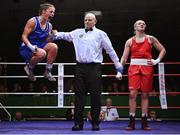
88	79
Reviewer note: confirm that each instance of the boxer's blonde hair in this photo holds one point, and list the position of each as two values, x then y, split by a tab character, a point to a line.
44	6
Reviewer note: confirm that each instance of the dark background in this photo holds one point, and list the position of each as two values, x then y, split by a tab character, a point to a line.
118	16
162	18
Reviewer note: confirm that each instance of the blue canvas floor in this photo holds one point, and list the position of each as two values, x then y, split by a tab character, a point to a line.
64	127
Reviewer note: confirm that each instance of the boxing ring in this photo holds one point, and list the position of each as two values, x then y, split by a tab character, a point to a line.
64	127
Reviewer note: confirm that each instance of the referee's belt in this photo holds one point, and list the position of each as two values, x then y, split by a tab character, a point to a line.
90	63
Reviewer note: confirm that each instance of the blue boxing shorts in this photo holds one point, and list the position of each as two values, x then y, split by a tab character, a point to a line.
25	53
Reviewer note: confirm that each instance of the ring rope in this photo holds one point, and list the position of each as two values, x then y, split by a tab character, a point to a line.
104	63
6	111
68	76
54	107
72	93
105	93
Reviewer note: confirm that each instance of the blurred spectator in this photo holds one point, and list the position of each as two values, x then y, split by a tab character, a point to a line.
153	116
110	112
17	87
43	87
88	116
172	85
109	88
3	114
70	112
19	116
115	86
70	86
3	88
123	88
30	87
3	67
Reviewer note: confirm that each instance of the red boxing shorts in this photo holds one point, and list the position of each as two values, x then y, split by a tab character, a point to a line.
140	77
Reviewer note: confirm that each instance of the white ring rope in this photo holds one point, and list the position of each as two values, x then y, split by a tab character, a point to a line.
39	107
22	63
40	76
72	93
49	93
6	111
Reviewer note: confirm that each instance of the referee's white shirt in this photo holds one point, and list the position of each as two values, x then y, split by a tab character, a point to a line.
89	45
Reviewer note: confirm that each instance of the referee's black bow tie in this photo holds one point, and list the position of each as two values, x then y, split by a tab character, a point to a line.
90	29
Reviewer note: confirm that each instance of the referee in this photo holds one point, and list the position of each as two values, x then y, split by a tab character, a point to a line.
89	43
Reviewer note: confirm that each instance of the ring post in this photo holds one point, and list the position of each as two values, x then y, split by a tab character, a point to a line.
60	85
162	87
